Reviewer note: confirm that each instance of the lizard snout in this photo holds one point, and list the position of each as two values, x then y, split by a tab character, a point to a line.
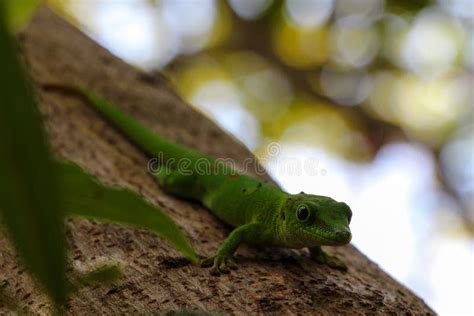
343	236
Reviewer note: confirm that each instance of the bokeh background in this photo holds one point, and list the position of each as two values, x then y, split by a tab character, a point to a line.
377	96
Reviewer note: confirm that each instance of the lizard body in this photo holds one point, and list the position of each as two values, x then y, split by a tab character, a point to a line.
261	213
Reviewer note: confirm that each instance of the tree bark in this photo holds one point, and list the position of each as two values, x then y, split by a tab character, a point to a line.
156	277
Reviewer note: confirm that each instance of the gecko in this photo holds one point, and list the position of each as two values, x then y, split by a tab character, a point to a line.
261	213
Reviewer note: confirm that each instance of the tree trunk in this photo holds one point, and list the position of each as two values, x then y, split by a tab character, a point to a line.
156	277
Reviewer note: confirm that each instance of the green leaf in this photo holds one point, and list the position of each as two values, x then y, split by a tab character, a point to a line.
29	206
19	12
83	196
108	273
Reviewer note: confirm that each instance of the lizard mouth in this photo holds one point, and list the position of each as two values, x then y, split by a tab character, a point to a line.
319	237
340	237
333	237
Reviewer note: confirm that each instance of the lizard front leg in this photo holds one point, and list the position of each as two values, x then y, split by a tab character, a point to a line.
318	255
222	260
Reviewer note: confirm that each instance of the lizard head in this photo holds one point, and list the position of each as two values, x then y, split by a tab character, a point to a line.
311	220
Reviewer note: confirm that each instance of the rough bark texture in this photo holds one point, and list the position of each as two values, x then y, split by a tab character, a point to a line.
156	277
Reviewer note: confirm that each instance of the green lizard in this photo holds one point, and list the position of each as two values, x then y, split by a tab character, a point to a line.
261	213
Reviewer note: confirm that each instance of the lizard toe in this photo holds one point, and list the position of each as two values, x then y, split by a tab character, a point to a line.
231	264
218	264
214	270
223	268
207	262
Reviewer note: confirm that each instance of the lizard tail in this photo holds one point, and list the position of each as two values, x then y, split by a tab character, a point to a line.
148	141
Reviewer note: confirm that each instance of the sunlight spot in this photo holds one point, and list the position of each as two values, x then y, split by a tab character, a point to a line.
190	21
432	44
459	8
221	101
301	47
249	9
457	160
428	108
363	9
355	42
129	29
347	88
309	13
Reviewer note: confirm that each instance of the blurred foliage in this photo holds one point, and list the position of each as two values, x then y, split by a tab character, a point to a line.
29	203
18	12
301	47
81	195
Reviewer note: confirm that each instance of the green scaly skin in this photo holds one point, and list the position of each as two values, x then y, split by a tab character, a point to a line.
261	213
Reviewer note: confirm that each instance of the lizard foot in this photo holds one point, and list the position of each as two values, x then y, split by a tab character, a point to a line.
331	261
219	264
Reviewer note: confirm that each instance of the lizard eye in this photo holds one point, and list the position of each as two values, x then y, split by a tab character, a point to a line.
302	213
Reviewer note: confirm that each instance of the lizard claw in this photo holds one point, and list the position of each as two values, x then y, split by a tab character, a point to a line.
219	264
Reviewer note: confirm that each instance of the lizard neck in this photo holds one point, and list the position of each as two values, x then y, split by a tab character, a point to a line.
278	222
